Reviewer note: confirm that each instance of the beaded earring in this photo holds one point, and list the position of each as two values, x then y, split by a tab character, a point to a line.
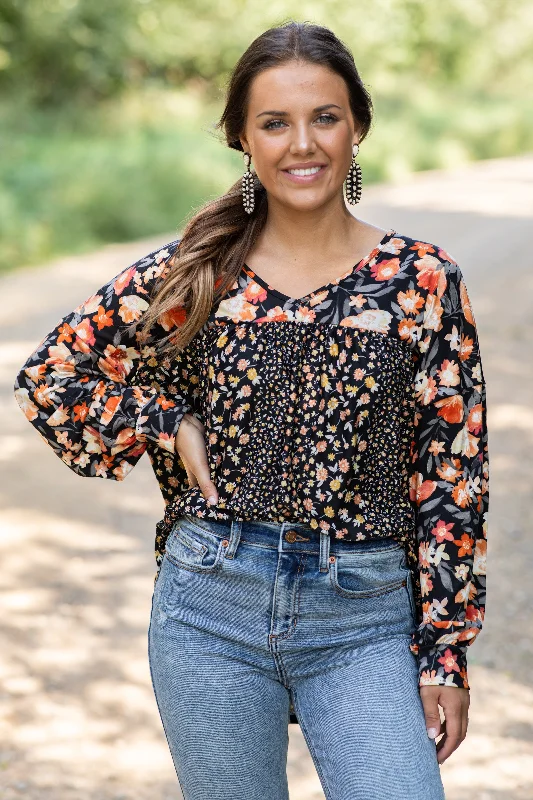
353	179
248	194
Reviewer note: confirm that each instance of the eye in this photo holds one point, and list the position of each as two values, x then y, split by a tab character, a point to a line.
328	117
269	125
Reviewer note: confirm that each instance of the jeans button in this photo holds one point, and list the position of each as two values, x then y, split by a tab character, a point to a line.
290	536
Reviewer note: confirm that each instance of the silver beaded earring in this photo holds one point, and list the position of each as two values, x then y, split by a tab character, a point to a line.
248	195
353	179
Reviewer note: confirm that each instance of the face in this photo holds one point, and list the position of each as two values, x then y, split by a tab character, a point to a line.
299	116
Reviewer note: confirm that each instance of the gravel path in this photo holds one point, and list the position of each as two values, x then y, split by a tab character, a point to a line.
78	719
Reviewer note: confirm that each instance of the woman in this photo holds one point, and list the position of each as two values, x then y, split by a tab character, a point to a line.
309	390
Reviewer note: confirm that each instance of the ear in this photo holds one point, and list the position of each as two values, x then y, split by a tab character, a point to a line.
244	144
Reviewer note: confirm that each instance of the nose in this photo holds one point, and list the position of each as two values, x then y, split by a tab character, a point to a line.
303	139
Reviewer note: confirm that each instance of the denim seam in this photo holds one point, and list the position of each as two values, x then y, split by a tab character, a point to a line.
292	626
161	716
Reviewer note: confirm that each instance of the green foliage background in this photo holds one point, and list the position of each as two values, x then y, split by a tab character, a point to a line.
107	106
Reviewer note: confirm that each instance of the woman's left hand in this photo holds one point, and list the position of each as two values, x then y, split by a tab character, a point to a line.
454	702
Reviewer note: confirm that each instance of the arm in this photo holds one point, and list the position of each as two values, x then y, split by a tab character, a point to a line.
450	483
76	388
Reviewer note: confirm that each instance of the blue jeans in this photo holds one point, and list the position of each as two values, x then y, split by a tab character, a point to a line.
249	617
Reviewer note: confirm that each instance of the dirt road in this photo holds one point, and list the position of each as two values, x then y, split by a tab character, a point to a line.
78	715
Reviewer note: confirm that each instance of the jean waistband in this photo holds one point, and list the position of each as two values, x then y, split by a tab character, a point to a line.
288	536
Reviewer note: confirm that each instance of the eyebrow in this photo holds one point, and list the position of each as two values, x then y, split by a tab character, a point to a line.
285	114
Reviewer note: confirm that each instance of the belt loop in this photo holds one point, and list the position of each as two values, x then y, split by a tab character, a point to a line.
324	551
280	540
234	538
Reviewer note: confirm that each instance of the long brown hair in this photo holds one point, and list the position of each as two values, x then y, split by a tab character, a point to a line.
216	240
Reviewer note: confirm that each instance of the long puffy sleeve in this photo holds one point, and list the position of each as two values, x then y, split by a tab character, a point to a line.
78	388
449	483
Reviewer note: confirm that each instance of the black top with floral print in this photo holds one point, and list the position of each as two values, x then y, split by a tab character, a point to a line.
358	409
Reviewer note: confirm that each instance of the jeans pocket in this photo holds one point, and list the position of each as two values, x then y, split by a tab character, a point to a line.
369	574
194	547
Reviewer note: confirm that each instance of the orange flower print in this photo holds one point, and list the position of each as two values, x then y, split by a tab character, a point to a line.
465	303
384	270
449	661
442	531
123	280
465	350
173	318
448	373
167	442
65	333
410	301
431	275
81	411
420	489
461	495
110	408
237	308
450	408
165	402
103	318
117	362
85	339
474	421
436	448
131	307
357	301
255	293
125	439
422	248
304	314
449	470
465	544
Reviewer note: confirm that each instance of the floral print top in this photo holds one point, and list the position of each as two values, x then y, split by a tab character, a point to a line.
358	409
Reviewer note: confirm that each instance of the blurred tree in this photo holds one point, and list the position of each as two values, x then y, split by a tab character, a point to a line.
60	51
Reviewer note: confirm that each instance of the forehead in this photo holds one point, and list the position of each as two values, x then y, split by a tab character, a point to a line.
296	83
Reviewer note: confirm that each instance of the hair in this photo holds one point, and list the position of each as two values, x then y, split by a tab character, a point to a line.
216	240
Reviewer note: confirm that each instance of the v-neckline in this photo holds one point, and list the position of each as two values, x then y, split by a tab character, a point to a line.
335	282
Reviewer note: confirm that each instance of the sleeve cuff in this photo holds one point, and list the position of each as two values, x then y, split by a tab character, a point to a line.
158	421
442	665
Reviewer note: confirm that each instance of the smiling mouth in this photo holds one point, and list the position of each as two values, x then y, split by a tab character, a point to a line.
303	176
301	171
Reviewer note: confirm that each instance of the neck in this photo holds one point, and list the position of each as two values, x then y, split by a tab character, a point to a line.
297	231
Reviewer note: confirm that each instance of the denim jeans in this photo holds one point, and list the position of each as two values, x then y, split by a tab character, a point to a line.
249	617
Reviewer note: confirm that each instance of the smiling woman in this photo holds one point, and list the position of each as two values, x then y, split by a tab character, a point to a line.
310	392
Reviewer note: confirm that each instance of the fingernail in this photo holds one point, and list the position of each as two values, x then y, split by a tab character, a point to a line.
432	733
212	499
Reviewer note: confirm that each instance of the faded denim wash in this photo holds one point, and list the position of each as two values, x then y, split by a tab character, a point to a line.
249	617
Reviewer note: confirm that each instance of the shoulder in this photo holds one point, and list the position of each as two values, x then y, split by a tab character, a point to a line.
427	265
152	266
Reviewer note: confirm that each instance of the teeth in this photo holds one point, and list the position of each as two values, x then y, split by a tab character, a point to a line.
310	171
